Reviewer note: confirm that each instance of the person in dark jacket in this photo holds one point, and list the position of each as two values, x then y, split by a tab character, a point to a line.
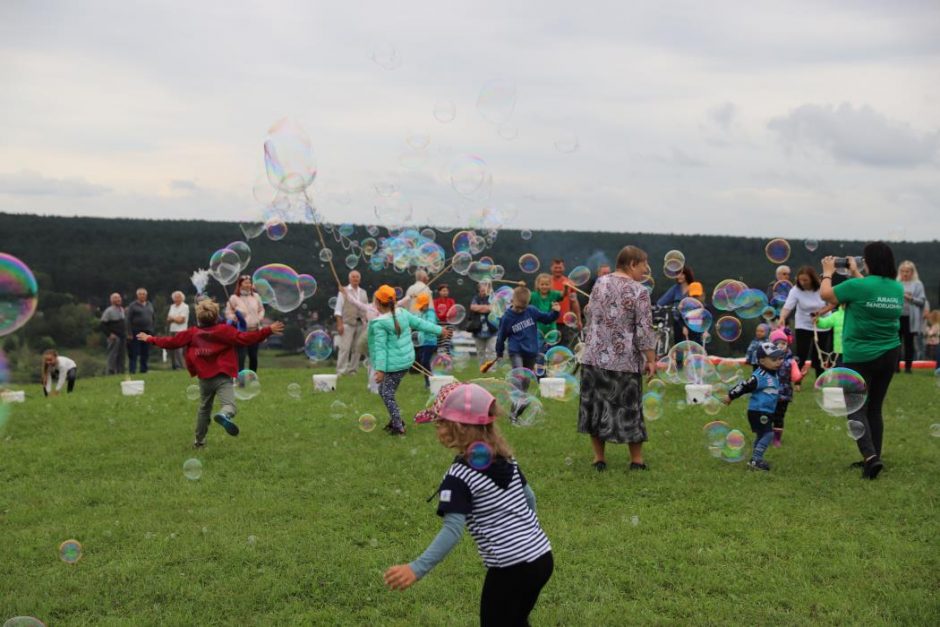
115	332
140	318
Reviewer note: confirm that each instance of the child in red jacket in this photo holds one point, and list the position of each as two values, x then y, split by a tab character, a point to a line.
211	356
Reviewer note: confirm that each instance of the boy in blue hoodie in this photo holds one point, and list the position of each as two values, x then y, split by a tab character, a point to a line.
519	325
764	388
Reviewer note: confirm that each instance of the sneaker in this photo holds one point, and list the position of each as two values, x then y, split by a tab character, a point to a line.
600	466
199	444
226	423
871	468
758	464
636	466
857	465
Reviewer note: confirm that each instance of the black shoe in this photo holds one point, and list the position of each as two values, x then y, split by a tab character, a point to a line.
636	466
758	464
600	466
394	431
871	468
857	465
199	444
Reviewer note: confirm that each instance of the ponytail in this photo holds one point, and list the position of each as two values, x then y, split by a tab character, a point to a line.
395	319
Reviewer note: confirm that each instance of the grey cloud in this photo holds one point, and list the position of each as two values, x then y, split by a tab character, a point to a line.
857	135
31	183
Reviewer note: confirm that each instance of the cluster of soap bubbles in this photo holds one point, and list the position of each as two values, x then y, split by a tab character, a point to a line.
281	287
687	363
673	263
723	442
696	317
732	295
226	264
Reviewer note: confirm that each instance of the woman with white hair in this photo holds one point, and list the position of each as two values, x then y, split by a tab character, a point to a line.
912	318
178	318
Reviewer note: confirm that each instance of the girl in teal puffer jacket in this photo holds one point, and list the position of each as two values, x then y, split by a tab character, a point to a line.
392	352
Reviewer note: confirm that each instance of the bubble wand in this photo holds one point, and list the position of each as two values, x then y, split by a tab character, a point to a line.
442	272
332	267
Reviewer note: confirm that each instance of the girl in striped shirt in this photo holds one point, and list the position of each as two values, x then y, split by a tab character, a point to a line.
485	490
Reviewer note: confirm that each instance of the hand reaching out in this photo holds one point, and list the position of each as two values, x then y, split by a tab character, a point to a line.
144	337
400	577
277	327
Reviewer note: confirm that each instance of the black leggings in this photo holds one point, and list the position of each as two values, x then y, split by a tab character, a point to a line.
806	348
510	593
70	375
907	343
877	374
252	353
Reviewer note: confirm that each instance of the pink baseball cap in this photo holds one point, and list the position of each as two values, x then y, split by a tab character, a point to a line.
780	335
468	404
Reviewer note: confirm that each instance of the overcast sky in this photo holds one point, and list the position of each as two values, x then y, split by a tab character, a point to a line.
795	119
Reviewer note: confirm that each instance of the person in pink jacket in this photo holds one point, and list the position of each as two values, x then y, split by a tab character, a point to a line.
246	305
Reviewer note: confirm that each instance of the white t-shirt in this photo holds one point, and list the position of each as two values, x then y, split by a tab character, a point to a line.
803	303
179	310
59	372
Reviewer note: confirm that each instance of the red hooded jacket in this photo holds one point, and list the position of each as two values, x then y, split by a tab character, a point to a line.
210	351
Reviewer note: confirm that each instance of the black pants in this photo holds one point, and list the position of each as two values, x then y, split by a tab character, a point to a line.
510	593
877	374
252	353
423	355
70	376
136	349
806	348
907	344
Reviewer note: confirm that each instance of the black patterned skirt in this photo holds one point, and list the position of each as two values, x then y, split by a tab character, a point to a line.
611	405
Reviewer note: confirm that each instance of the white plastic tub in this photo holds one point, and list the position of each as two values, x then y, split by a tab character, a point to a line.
439	381
13	396
552	387
696	394
324	383
132	388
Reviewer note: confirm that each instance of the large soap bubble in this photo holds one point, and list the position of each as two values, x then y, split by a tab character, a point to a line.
225	265
279	286
243	250
247	385
318	345
288	157
840	391
18	294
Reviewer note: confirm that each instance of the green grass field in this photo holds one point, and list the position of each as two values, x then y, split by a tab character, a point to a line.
294	521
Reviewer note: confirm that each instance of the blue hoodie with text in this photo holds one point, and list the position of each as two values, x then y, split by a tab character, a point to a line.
520	328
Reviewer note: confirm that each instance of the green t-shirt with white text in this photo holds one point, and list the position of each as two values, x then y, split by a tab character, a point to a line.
873	306
544	304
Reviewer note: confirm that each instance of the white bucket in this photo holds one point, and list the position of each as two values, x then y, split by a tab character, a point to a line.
696	394
439	381
324	383
13	396
552	387
833	399
132	388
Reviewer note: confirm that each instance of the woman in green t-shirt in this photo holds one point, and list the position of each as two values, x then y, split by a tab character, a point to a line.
870	341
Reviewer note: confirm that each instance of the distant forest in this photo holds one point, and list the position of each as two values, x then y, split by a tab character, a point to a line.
83	260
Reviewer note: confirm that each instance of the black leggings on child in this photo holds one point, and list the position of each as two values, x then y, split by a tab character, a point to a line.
510	593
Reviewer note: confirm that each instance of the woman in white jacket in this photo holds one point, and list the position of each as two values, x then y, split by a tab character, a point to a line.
59	371
248	304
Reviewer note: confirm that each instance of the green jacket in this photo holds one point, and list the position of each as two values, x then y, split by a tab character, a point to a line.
390	352
834	321
425	338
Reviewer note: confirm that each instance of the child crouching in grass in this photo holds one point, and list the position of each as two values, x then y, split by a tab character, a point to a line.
485	490
210	355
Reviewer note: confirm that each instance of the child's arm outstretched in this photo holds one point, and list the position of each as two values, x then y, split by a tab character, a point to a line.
169	342
547	317
250	338
419	323
402	576
745	387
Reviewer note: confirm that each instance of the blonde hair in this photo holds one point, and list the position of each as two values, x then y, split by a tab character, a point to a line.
459	437
544	276
46	365
908	264
207	312
933	316
521	297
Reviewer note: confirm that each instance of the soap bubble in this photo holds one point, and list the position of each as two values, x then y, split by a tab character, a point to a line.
288	157
480	271
522	379
673	262
70	551
445	111
243	250
525	234
318	345
530	411
192	469
559	360
567	143
18	294
552	337
479	455
570	319
725	294
461	262
247	385
935	430
779	292
855	429
777	250
367	422
24	621
338	409
281	288
712	406
456	314
442	364
688	304
529	263
728	328
326	255
652	406
393	209
386	56
811	245
224	266
657	387
275	229
497	101
750	304
723	442
580	275
730	371
293	390
840	391
308	285
698	320
468	175
192	392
